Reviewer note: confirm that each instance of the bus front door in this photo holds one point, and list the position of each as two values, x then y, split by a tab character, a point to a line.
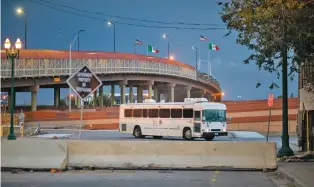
197	123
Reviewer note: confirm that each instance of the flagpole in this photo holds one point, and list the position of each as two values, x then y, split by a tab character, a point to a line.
209	63
147	50
134	48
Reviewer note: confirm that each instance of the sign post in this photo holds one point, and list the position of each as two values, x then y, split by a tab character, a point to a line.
270	104
84	82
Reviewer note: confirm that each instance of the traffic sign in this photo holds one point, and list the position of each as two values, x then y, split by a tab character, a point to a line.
84	82
270	100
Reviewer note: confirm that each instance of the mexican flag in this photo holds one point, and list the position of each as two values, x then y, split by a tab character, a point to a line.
152	50
213	47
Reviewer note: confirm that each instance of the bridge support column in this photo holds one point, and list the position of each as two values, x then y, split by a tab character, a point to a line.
150	89
188	91
56	97
113	99
95	99
202	94
101	96
156	94
172	86
122	91
34	90
139	94
131	94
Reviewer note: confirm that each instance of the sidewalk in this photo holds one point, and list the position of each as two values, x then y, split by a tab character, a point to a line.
300	173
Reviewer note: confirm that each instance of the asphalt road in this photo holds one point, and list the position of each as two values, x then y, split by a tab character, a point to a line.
142	179
116	135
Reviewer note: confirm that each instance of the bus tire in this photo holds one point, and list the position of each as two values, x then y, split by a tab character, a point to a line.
209	138
157	137
137	132
187	134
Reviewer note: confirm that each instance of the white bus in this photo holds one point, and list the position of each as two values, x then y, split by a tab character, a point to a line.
193	118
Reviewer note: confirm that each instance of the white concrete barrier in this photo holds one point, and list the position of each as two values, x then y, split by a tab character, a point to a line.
172	154
34	154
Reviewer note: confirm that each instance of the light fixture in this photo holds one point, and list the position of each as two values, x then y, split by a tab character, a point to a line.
7	44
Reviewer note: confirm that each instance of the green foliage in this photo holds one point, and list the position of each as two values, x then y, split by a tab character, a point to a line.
276	32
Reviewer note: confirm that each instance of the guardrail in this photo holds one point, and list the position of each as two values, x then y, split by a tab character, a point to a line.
31	68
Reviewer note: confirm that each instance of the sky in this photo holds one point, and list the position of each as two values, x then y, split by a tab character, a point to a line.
52	29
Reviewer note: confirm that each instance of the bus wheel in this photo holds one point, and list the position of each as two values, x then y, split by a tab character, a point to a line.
209	138
187	134
137	132
157	137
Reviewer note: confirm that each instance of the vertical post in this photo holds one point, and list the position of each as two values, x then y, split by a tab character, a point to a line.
172	85
101	96
114	37
70	73
131	94
196	66
122	93
56	97
150	88
269	118
11	135
168	48
95	99
134	48
307	131
188	91
112	95
156	94
81	118
78	41
25	30
34	99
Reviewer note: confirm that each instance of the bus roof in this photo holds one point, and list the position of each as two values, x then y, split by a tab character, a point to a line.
176	104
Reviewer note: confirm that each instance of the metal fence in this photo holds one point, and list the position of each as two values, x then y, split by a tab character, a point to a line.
32	68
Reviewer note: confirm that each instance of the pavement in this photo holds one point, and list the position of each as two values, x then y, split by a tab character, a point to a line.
116	135
299	173
143	179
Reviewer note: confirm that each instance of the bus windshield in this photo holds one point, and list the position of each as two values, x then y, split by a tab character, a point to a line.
212	115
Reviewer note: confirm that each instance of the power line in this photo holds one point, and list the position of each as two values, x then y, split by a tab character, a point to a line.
117	22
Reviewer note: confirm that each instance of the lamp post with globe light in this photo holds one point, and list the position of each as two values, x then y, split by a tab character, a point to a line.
114	34
12	53
23	11
169	38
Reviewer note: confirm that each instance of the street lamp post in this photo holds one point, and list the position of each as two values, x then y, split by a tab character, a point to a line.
78	39
114	34
70	68
20	11
12	53
169	38
209	67
196	50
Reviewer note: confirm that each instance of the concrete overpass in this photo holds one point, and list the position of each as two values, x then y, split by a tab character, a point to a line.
173	80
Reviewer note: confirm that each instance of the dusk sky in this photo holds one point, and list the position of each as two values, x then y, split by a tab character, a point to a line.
53	29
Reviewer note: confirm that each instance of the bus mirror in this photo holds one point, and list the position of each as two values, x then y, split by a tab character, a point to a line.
229	118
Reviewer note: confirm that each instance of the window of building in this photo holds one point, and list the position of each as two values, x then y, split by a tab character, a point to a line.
176	113
164	113
128	113
153	113
187	113
137	113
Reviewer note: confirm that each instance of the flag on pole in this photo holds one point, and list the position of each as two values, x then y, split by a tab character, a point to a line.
213	47
152	49
203	38
138	42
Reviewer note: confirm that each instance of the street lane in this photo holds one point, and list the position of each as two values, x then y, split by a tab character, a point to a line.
140	179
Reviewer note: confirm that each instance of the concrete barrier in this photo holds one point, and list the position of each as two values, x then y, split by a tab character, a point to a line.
33	154
172	154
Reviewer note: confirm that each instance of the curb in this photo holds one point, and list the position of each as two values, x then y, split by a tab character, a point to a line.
297	182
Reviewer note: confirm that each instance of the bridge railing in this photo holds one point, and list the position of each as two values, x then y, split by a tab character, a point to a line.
25	68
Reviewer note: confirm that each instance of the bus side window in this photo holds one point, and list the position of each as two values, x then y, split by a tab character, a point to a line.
153	113
145	111
137	113
197	115
187	113
164	113
128	113
176	113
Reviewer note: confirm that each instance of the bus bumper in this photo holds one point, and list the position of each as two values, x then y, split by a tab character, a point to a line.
207	134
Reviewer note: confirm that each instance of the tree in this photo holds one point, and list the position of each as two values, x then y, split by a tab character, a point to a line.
273	32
